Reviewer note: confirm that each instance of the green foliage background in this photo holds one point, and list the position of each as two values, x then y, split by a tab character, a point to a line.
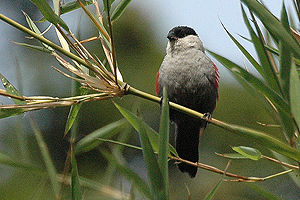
139	57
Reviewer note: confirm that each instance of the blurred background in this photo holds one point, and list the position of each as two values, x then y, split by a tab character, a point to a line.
140	37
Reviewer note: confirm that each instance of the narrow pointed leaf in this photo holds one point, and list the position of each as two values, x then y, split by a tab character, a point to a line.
267	69
249	152
35	29
73	5
73	113
49	14
232	155
7	160
76	188
34	47
264	193
130	175
285	57
107	5
10	89
295	94
212	193
163	150
121	143
91	140
119	10
245	52
274	25
47	159
254	82
155	176
11	112
153	135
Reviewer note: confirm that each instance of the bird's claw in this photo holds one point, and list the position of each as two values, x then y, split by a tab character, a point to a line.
206	116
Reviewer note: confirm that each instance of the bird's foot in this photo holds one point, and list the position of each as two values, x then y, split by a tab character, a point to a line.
206	116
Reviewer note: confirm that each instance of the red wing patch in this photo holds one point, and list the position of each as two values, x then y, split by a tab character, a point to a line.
156	83
217	76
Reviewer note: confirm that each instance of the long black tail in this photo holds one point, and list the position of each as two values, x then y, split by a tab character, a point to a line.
187	141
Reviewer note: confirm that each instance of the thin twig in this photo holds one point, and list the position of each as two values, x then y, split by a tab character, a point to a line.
280	162
216	170
112	43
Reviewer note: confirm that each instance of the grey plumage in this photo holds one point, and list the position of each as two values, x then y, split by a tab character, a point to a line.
191	80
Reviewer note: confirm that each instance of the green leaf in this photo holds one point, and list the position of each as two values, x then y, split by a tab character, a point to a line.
49	14
35	29
295	94
119	10
130	175
262	192
267	69
248	152
120	143
91	140
163	150
7	160
107	5
254	82
212	193
245	52
74	110
47	158
10	89
232	155
76	189
11	112
34	47
153	135
73	5
155	176
273	25
285	57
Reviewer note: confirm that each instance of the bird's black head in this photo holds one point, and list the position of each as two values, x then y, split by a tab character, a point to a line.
180	32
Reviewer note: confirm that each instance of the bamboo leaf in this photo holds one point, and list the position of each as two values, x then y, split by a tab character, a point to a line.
232	155
120	143
245	52
295	94
49	14
267	69
91	140
212	193
264	193
73	113
248	152
285	57
130	175
153	135
35	29
273	25
119	10
7	160
34	47
10	89
254	82
107	5
73	5
47	159
11	112
163	150
155	176
76	188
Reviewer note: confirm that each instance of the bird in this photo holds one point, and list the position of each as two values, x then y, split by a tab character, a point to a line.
191	80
